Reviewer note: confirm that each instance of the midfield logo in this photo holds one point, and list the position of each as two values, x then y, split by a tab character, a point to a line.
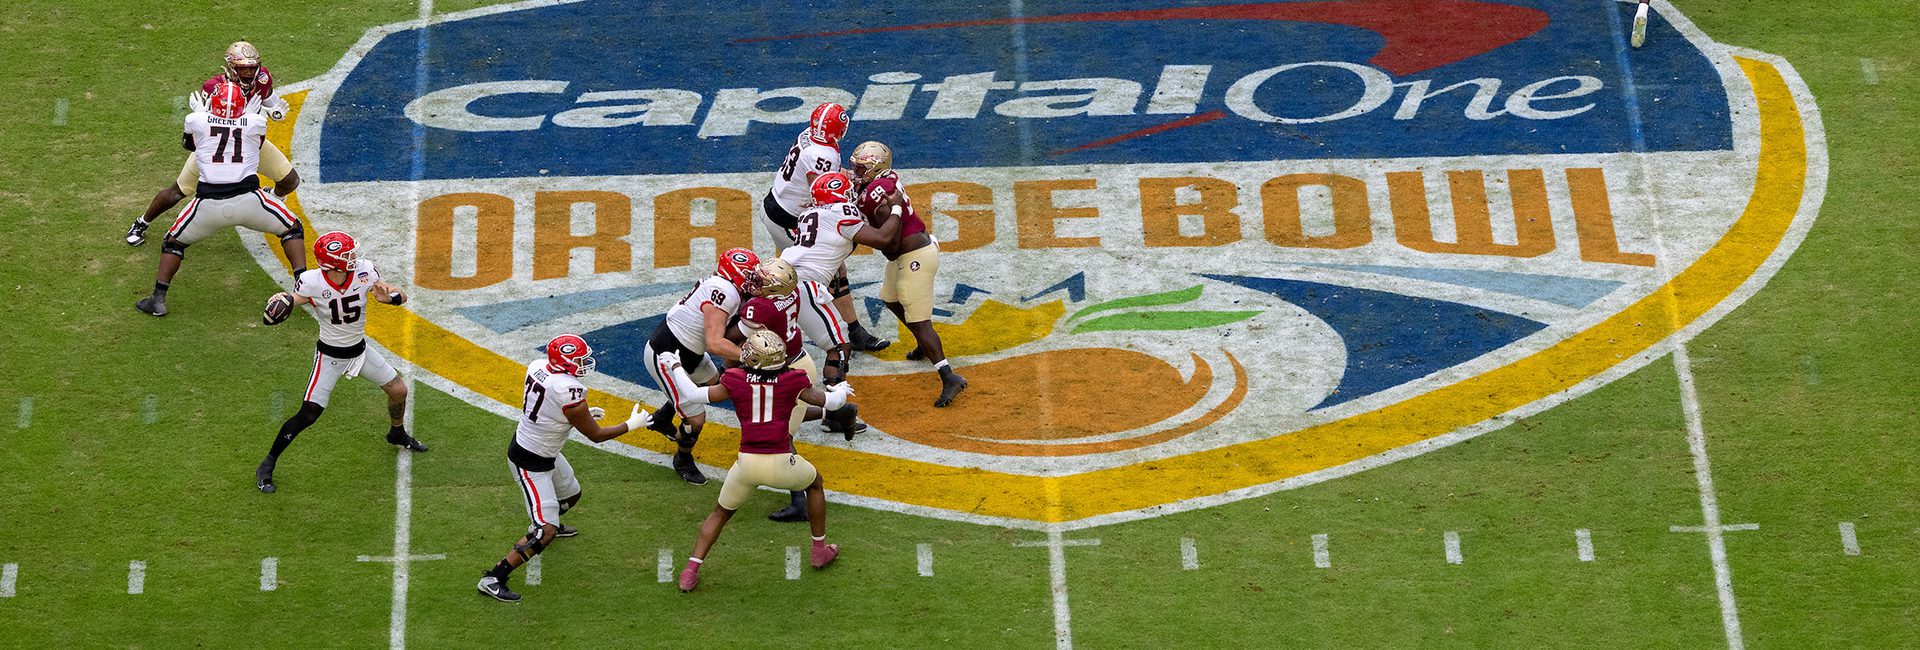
1191	254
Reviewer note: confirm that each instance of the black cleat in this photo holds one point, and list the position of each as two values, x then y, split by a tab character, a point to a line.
404	441
683	463
916	355
137	233
153	305
843	421
796	510
263	476
662	422
950	386
863	341
496	589
567	531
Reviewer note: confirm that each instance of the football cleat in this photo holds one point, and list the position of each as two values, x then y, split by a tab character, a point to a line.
153	305
137	233
916	354
689	472
496	589
863	341
263	476
690	577
823	554
567	531
950	386
404	441
844	421
662	421
796	510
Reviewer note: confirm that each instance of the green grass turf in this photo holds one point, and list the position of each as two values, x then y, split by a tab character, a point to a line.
1807	394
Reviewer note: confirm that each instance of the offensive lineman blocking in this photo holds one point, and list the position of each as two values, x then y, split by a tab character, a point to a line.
814	153
827	233
338	290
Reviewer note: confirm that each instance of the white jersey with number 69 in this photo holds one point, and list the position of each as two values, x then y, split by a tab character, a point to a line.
824	242
543	419
687	319
791	187
227	150
341	309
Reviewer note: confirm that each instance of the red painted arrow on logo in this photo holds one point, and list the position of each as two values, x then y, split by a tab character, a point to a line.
1420	34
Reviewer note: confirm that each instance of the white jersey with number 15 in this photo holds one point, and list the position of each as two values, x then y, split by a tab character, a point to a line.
340	308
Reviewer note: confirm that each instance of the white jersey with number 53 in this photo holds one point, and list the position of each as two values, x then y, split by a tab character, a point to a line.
824	242
543	420
791	187
341	309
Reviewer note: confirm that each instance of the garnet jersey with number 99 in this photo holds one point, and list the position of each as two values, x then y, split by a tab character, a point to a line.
780	316
876	192
824	242
340	308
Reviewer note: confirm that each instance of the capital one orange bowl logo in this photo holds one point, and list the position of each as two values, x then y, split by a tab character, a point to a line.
1190	254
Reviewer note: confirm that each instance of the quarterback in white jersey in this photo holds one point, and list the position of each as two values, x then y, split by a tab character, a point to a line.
552	404
226	141
339	291
827	234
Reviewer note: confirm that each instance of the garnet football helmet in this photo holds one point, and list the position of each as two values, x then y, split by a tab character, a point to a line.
227	101
242	64
763	350
568	354
736	265
869	159
828	124
335	251
832	187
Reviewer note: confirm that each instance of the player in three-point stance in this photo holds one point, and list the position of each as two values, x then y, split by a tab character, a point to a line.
226	141
816	152
827	233
766	394
692	328
241	67
339	292
553	403
912	261
778	311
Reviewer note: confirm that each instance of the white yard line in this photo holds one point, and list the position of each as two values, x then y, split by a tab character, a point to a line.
1057	568
136	577
8	574
1709	502
925	552
1725	529
1452	540
402	529
665	572
1583	544
1189	554
269	574
1849	543
60	112
1321	557
533	571
793	563
1870	71
150	409
26	412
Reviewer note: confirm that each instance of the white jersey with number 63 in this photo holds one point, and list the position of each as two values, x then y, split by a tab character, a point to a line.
543	418
824	242
341	309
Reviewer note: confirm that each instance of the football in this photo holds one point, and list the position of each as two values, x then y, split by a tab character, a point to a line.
279	306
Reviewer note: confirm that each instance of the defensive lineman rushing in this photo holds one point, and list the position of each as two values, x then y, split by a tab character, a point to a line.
815	152
694	327
225	141
339	291
766	395
826	235
552	403
241	67
912	261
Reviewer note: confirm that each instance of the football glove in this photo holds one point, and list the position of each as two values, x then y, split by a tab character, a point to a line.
197	101
636	421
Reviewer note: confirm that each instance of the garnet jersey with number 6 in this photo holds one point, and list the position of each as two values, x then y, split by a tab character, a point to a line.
825	239
876	192
341	309
763	406
780	316
543	420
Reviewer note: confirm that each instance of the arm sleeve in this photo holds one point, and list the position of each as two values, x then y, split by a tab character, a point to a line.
690	392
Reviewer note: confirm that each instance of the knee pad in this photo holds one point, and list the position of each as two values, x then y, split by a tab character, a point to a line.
534	545
567	503
292	233
842	365
689	434
173	247
840	287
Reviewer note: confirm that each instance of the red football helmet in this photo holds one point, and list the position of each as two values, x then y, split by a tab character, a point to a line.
832	187
335	251
736	265
227	100
828	124
568	354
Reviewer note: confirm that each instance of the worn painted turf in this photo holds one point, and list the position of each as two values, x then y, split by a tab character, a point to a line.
1806	394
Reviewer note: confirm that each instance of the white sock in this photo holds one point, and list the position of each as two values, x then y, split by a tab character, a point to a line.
940	366
696	560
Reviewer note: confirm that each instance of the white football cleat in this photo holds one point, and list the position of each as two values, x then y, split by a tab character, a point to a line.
1640	26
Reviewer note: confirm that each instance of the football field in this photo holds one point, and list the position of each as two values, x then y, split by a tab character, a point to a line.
1229	388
